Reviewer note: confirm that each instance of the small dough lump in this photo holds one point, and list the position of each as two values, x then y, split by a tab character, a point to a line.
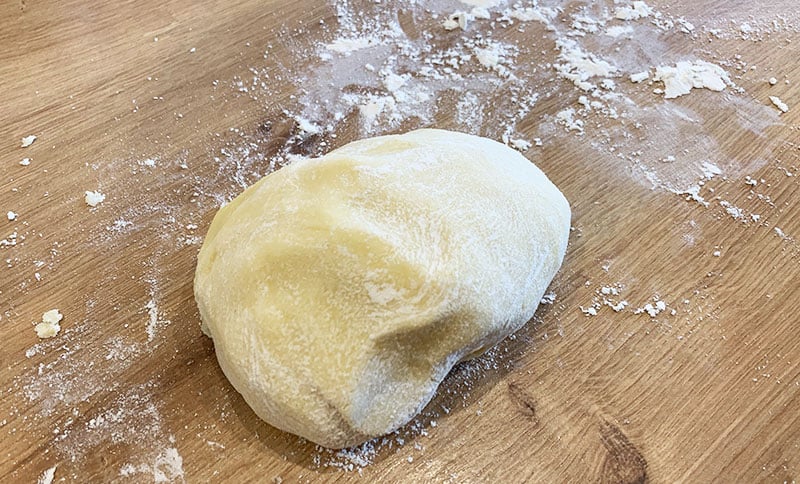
340	291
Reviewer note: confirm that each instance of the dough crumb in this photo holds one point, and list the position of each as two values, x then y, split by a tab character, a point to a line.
53	316
49	326
28	140
93	199
11	216
772	81
306	126
25	162
640	77
779	104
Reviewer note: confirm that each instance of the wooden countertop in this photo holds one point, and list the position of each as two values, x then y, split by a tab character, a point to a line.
170	108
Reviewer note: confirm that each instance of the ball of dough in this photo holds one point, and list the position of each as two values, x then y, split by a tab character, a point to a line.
340	291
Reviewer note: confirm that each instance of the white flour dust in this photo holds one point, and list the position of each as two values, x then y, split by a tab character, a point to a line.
616	81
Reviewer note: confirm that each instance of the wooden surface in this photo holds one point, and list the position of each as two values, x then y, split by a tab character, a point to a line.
169	108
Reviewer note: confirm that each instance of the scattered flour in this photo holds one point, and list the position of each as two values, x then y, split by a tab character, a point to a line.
710	170
370	69
28	140
580	66
47	476
735	212
10	240
782	234
619	31
589	311
606	296
348	46
633	12
548	298
567	119
532	14
154	320
652	309
166	467
685	76
520	144
782	106
93	199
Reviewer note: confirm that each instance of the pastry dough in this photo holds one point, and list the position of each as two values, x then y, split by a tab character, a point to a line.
340	291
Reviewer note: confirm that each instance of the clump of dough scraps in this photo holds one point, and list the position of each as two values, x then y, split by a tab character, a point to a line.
49	326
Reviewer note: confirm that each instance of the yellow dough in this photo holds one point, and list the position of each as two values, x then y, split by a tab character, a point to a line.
340	291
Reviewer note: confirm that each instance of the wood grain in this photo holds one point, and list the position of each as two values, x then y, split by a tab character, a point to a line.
155	105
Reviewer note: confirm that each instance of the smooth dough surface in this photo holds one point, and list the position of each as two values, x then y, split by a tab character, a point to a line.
340	291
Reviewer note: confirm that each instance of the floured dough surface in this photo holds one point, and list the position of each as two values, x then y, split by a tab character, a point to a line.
340	291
